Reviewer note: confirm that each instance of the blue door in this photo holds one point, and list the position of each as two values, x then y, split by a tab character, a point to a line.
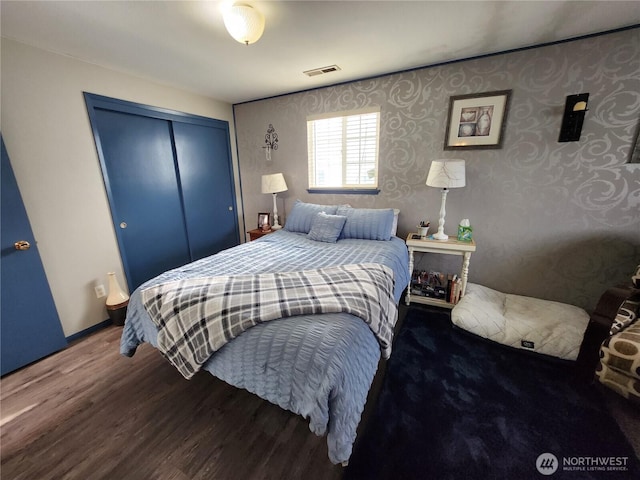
207	188
145	200
30	326
169	181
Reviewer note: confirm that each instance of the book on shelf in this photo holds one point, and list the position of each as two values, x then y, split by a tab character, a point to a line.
454	289
450	284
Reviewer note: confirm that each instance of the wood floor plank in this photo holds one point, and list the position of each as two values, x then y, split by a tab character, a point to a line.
88	412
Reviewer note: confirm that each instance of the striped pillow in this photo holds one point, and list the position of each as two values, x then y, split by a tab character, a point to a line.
302	215
367	223
326	228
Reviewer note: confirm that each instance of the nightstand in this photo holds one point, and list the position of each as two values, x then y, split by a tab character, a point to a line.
257	233
452	246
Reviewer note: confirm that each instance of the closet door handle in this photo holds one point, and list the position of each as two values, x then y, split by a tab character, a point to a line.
123	225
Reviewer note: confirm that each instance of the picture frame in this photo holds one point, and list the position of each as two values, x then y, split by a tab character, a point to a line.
264	218
477	121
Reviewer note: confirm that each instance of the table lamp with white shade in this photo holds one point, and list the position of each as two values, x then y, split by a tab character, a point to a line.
274	184
445	174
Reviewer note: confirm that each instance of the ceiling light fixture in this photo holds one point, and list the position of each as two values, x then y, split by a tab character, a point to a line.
244	23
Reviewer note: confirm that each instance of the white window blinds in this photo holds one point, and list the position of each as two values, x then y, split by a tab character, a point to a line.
343	149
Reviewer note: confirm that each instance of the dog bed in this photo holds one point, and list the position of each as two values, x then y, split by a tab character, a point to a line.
541	326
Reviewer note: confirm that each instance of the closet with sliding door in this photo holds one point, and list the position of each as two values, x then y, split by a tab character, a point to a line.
169	180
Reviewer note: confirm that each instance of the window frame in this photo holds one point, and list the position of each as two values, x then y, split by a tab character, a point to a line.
311	159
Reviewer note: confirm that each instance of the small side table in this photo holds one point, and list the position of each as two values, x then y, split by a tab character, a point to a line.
452	246
257	233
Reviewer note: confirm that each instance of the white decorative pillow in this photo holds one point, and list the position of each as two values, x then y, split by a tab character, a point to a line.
326	228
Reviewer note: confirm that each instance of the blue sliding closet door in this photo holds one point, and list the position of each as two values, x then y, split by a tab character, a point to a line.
145	199
205	176
169	180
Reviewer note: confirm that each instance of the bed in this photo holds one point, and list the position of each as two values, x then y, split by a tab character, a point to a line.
319	365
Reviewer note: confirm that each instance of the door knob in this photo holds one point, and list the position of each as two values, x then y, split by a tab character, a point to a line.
22	245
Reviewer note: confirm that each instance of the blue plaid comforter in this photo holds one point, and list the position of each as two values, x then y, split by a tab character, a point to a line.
198	316
318	366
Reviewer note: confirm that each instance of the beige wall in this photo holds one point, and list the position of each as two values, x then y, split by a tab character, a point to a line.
46	130
559	221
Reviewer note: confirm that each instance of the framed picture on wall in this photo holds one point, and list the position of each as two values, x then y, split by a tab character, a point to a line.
477	120
264	219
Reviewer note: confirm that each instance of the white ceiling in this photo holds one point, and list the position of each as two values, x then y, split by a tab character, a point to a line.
184	44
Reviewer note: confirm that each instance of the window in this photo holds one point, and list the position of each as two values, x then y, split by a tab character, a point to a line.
343	150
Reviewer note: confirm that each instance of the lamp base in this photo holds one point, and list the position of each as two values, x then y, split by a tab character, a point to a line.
276	224
440	235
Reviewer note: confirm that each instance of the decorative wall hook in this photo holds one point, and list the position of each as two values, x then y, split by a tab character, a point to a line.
573	118
271	141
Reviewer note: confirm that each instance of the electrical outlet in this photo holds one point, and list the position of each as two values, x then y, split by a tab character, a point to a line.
100	291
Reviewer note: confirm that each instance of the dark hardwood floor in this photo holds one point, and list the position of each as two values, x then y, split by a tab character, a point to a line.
89	413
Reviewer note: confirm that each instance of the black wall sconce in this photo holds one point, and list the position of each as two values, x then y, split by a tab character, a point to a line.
271	141
574	111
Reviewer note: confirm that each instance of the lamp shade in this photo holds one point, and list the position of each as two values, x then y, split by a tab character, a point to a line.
273	183
244	23
446	174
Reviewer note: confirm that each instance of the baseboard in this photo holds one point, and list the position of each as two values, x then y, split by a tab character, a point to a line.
88	331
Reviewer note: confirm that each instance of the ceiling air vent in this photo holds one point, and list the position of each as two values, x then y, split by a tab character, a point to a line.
322	70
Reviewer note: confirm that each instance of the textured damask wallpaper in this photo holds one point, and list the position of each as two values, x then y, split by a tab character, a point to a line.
559	221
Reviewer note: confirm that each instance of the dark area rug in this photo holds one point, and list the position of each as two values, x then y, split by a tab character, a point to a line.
455	406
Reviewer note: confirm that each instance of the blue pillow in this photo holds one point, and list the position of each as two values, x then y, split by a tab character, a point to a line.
367	223
302	215
326	228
